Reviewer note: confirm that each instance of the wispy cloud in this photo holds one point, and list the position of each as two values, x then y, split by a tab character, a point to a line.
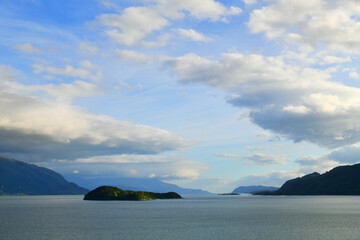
27	48
193	35
258	159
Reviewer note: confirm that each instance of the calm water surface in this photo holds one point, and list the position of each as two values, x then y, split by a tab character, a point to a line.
215	217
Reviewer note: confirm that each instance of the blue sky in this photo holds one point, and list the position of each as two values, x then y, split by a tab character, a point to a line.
204	94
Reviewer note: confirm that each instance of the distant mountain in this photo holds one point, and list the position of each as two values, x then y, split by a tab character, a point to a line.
251	189
134	184
343	180
17	177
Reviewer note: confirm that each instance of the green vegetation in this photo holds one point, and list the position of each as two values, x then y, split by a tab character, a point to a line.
114	193
344	180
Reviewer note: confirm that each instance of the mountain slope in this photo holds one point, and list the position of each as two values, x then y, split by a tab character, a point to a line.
343	180
19	177
251	189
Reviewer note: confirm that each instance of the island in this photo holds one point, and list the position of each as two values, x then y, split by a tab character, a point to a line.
229	194
104	193
342	180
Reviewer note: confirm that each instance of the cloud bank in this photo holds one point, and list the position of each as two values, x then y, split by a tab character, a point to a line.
36	127
299	103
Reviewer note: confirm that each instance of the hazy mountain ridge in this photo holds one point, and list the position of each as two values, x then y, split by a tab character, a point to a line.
251	189
18	177
342	180
134	184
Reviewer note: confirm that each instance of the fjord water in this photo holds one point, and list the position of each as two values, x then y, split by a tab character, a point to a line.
214	217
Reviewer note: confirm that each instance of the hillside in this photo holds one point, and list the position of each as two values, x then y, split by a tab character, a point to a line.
17	177
343	180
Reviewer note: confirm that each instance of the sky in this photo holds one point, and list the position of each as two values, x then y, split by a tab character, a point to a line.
200	93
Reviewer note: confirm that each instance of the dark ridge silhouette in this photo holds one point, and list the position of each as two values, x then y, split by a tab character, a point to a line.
17	177
343	180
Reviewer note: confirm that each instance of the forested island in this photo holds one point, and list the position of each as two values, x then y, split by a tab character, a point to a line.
114	193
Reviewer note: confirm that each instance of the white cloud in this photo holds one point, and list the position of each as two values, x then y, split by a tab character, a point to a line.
161	41
250	1
133	24
296	109
354	75
333	23
134	56
200	9
299	103
193	35
266	136
258	159
27	48
41	129
325	60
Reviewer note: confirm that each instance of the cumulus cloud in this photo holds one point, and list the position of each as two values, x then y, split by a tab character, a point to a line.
27	48
193	35
332	23
258	159
299	103
39	128
133	24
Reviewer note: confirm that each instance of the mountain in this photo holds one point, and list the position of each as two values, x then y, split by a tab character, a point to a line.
134	184
114	193
343	180
17	177
251	189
